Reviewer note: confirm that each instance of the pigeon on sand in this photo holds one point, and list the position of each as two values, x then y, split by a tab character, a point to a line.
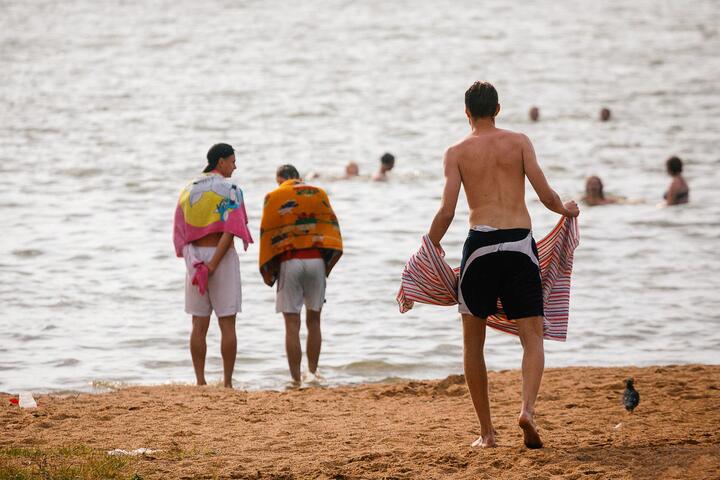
631	397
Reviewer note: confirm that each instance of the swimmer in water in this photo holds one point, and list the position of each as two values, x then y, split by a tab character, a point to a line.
594	194
605	114
352	170
387	163
678	192
534	114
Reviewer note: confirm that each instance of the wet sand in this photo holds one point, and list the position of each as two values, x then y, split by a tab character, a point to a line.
416	429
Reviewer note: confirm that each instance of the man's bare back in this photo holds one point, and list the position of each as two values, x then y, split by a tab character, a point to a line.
490	164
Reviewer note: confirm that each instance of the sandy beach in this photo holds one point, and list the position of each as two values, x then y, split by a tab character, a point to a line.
415	429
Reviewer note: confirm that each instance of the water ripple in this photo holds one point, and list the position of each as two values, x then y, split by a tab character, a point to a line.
130	100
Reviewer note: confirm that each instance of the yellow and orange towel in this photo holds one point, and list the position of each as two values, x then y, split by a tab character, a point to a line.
297	216
211	203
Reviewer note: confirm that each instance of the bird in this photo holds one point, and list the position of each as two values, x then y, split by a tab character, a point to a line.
631	397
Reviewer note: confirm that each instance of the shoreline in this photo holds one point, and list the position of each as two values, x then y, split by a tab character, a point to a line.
107	386
408	429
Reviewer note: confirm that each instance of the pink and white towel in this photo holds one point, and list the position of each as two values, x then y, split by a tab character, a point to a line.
427	278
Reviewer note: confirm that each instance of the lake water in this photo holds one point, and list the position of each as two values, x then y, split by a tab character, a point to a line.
107	110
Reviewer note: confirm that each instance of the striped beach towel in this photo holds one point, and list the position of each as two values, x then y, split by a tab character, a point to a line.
427	278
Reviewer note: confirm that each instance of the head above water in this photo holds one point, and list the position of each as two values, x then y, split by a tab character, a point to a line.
534	114
594	187
605	114
352	169
221	157
481	101
387	161
286	172
674	166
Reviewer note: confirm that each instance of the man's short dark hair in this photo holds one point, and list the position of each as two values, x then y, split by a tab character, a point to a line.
216	152
674	165
388	159
481	100
287	172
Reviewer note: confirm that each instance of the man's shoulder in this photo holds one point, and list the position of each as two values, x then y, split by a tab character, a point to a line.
209	179
456	149
307	185
498	133
511	135
518	137
297	189
211	182
306	189
277	191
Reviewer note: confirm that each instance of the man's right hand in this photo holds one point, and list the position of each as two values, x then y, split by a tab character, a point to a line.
571	209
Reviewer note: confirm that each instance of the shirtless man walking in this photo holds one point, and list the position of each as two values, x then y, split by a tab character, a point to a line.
500	258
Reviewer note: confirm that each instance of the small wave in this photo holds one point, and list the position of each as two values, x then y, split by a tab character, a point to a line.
374	367
23	338
149	342
66	362
165	363
139	188
81	257
27	253
65	303
394	262
105	385
167	44
393	380
207	128
307	114
235	94
445	349
76	216
80	172
669	224
91	347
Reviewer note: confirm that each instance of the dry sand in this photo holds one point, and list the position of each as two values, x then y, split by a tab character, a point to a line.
406	430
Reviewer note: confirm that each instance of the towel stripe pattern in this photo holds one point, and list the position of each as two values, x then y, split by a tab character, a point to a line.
427	278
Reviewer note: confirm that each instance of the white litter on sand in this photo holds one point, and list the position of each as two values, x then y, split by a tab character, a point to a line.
132	453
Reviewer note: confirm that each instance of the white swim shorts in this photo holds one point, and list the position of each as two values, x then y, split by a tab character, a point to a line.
301	281
224	290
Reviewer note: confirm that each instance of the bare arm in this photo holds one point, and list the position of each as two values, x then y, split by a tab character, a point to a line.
672	193
545	193
222	247
446	213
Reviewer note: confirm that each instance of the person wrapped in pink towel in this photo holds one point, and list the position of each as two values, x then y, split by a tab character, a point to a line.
210	213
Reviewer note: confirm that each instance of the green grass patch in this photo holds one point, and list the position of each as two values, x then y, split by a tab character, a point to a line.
65	463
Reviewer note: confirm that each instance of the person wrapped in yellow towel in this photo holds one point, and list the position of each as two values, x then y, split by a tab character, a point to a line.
300	243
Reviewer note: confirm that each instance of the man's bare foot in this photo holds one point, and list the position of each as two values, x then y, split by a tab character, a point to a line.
485	441
530	433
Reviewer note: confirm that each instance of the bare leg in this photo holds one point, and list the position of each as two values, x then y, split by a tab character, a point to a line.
476	376
314	339
228	347
198	346
533	364
292	344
